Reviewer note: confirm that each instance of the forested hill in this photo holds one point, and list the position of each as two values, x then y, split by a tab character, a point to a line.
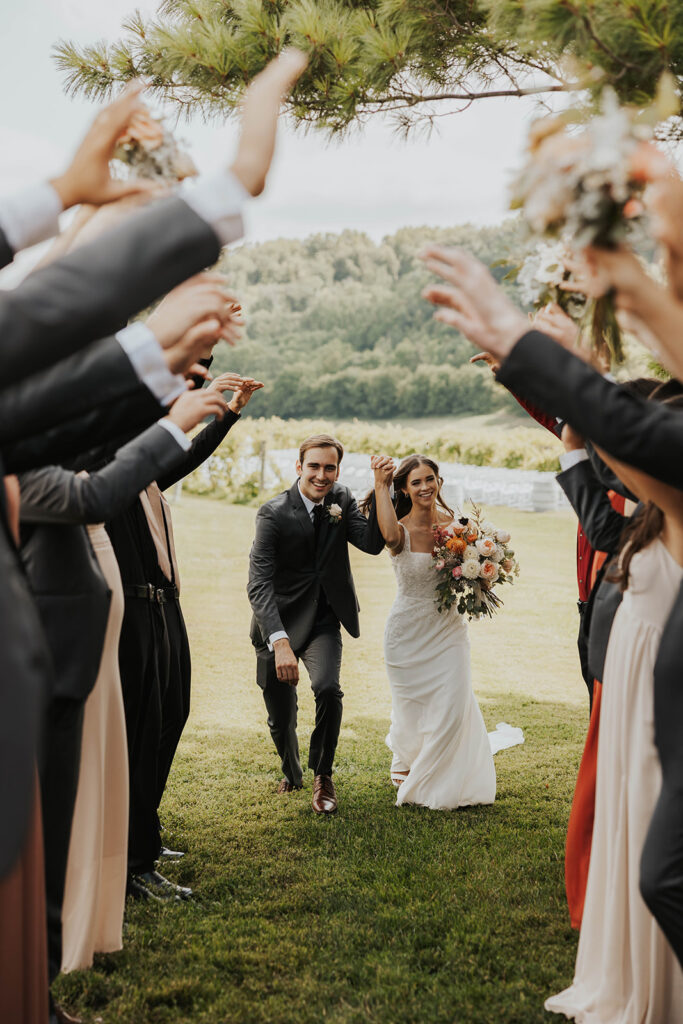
337	327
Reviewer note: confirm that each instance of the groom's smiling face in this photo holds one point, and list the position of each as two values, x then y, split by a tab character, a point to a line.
318	472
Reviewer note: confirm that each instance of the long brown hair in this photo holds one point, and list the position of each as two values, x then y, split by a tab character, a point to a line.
402	503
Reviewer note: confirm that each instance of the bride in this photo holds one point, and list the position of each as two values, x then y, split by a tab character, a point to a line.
441	752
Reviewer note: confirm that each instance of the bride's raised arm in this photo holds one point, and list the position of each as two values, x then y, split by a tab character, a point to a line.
383	468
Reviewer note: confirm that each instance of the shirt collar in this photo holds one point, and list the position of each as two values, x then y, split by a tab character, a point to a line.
308	504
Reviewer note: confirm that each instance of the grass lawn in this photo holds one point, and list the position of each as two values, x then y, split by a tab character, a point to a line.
378	914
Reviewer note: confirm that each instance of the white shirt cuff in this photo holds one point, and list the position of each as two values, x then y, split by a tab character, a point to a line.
175	432
147	356
280	635
30	216
218	199
572	458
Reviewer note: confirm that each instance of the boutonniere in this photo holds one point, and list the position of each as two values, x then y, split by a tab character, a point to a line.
334	513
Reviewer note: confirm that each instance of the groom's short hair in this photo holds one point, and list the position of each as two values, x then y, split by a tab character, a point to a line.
321	441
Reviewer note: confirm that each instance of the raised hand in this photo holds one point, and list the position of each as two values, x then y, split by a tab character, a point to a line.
88	178
472	301
244	388
260	110
486	357
193	406
552	320
383	467
198	298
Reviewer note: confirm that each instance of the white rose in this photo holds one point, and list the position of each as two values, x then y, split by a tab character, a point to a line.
335	511
502	536
470	569
470	554
488	529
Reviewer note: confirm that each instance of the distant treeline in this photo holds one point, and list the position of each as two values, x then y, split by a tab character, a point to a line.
337	327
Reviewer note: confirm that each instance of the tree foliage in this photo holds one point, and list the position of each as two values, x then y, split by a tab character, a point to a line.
336	327
409	57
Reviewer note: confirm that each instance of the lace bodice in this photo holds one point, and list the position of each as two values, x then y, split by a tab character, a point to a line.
414	574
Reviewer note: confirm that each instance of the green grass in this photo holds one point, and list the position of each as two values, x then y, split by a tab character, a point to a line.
379	914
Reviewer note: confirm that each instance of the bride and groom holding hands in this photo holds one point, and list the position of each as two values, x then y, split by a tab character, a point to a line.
301	592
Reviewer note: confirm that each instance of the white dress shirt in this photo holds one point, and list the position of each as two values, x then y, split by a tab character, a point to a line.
572	458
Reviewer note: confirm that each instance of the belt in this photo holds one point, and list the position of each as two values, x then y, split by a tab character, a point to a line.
172	593
146	591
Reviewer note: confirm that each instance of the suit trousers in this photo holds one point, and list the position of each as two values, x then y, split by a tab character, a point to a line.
144	664
321	654
58	787
176	703
661	868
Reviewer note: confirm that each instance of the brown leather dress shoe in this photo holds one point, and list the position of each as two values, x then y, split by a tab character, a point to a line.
324	796
285	786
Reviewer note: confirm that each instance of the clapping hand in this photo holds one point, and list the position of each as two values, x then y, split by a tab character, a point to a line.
193	406
383	467
244	388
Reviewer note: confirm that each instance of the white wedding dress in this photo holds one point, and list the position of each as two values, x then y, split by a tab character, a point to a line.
437	731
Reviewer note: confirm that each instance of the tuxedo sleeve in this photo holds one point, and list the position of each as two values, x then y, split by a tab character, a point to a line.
262	563
92	291
589	499
361	532
643	434
56	495
203	445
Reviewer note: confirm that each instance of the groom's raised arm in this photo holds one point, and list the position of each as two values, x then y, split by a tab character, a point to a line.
261	586
364	533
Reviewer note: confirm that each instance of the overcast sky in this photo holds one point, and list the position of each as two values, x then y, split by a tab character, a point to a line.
373	181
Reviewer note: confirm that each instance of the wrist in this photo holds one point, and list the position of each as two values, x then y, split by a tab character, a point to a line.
65	190
235	407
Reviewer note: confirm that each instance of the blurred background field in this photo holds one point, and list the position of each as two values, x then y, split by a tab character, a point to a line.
386	915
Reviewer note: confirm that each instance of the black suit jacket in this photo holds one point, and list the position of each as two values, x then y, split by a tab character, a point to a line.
287	569
642	433
89	293
71	593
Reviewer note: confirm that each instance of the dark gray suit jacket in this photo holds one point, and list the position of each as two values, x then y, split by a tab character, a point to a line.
287	569
58	310
70	591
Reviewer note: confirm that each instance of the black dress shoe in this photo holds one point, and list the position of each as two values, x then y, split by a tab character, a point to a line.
162	887
167	854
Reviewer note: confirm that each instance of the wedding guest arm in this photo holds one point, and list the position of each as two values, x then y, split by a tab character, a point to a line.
207	440
636	431
87	294
56	495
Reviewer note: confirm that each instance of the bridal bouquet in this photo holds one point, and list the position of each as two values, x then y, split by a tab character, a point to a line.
470	557
149	149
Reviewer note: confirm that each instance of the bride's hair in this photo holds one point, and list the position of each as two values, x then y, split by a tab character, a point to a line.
402	502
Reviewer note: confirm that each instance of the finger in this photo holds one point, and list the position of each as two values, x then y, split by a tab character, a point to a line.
116	117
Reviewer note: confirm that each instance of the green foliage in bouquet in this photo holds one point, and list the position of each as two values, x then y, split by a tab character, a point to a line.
407	57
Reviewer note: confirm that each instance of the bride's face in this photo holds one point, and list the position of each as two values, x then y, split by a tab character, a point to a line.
422	487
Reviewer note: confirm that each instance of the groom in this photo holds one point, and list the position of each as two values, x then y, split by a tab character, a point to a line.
301	589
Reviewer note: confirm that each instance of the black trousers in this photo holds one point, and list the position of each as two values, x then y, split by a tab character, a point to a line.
321	654
175	707
661	868
144	665
58	787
